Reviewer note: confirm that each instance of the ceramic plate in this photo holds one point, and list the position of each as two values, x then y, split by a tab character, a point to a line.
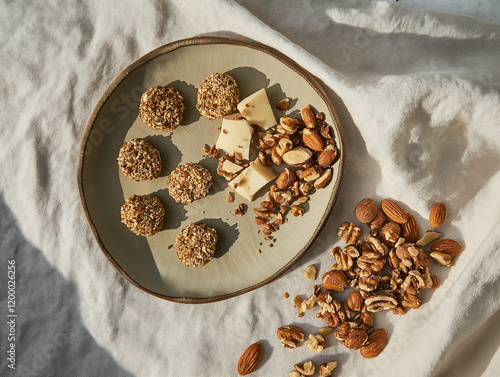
149	263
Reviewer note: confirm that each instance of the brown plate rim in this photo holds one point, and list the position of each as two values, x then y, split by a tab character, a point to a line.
206	40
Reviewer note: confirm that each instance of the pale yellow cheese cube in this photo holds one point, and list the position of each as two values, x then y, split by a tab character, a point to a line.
231	167
252	179
256	109
235	136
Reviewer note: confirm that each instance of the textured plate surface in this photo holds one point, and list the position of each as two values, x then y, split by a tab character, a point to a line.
148	263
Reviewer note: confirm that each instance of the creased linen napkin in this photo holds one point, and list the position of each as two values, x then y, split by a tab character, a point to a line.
418	98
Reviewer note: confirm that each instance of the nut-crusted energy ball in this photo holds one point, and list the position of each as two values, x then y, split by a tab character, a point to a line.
143	214
189	182
161	108
218	96
139	160
195	244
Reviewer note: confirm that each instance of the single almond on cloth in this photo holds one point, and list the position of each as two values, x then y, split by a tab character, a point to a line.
410	229
366	210
437	215
448	246
394	211
375	344
313	139
250	359
334	280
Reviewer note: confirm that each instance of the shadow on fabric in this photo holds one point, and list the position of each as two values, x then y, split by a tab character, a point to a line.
50	337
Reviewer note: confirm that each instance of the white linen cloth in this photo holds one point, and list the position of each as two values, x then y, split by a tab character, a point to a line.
418	98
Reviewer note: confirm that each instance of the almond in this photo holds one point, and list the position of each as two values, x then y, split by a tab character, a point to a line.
297	156
250	359
450	247
308	116
313	139
410	229
284	104
334	280
437	215
366	210
394	211
355	301
428	237
375	344
326	158
442	258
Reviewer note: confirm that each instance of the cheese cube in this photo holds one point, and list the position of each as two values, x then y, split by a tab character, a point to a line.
235	136
256	109
252	179
231	167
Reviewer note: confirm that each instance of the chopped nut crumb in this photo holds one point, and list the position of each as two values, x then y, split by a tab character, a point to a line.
286	295
240	210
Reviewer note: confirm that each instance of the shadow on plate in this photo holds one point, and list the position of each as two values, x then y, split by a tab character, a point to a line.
227	235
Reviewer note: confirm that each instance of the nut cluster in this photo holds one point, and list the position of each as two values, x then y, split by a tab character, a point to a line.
189	182
195	244
161	108
139	160
143	214
307	148
387	270
217	96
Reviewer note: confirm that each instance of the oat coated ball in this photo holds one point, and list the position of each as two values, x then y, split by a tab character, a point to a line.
195	244
139	160
188	183
161	108
143	214
217	96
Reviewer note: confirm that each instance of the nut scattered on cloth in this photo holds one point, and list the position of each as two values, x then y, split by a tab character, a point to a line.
196	244
143	214
189	182
217	96
139	160
161	108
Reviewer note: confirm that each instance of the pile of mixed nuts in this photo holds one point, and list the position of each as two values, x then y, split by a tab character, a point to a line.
387	270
